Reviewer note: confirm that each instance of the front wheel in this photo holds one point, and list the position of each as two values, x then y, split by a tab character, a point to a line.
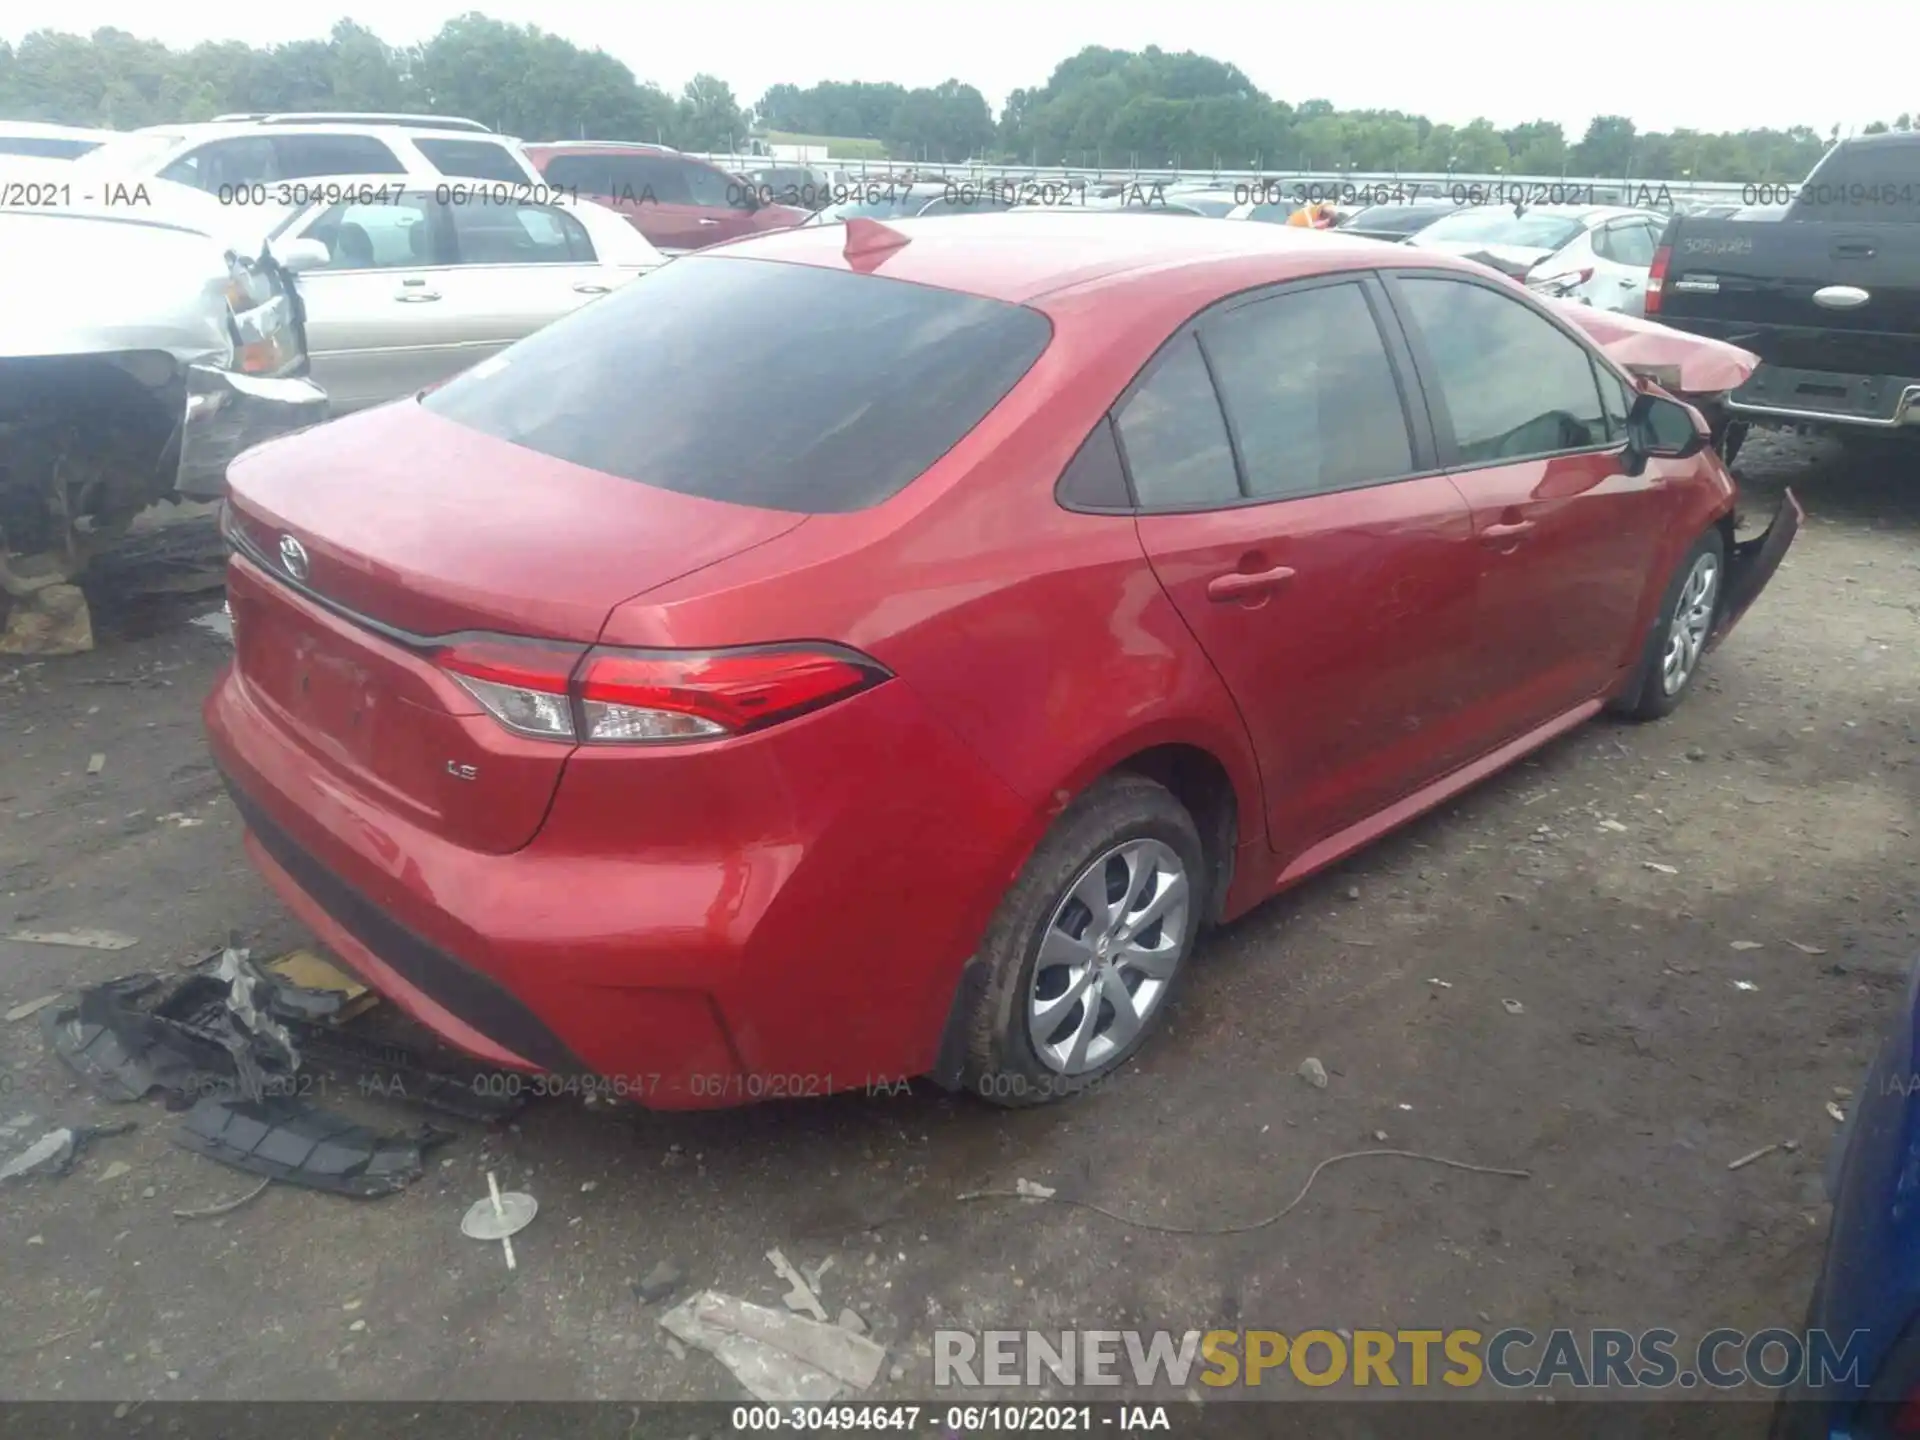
1678	642
1087	945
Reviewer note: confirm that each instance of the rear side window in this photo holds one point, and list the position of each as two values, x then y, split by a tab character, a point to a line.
678	380
1630	243
519	234
472	160
1513	384
1305	381
1175	437
300	156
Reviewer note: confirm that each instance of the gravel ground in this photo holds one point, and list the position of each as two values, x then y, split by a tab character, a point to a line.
1781	800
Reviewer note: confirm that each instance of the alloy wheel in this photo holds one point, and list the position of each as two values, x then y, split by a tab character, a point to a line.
1692	619
1108	954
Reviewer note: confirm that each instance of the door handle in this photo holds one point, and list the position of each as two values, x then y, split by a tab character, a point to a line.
1511	531
588	287
1241	584
706	221
1627	282
414	297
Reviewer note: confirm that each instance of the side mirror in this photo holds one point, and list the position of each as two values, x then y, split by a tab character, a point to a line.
1663	428
297	255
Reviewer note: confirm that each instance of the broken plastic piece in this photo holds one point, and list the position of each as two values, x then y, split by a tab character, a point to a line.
282	1139
779	1358
77	939
114	1047
800	1296
54	1152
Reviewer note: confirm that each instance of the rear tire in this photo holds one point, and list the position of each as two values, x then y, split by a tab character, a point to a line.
1678	642
1104	915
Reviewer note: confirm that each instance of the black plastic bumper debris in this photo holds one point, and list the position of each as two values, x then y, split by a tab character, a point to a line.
284	1139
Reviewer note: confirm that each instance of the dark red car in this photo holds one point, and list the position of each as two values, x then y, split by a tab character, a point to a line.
679	202
731	710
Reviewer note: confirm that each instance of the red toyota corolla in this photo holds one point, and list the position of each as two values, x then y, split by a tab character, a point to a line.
859	653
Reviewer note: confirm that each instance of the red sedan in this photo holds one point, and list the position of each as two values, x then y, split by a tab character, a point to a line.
724	710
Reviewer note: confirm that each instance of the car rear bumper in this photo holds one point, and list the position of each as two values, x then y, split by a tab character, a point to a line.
1871	402
804	934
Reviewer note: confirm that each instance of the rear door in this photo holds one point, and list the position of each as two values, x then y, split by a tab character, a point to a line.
1565	535
378	325
515	267
1291	507
1623	256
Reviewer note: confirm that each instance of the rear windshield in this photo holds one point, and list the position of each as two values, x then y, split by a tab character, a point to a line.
783	386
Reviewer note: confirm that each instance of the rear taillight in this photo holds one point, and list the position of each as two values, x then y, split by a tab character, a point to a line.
1657	277
607	696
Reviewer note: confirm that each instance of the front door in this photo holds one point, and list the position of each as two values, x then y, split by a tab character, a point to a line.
1563	531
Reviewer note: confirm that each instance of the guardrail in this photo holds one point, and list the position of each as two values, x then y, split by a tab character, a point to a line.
1315	184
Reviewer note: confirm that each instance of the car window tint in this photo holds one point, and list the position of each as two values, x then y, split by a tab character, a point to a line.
1305	380
517	233
299	156
1174	435
395	235
648	179
648	383
472	160
1513	384
710	187
587	174
225	162
1632	244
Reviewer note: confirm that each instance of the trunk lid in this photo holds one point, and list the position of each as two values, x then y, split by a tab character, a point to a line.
401	527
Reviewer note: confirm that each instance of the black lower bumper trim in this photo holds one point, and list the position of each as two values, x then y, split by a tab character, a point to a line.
1751	564
478	1000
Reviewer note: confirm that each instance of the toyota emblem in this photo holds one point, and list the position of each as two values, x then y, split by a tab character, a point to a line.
293	555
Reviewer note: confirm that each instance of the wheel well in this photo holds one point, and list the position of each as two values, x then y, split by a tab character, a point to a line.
1199	782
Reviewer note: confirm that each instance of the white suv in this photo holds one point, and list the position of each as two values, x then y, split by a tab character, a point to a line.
219	155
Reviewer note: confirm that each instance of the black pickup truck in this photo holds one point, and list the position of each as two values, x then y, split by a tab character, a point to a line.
1828	298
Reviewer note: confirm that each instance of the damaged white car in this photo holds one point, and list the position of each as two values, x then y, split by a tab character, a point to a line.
140	350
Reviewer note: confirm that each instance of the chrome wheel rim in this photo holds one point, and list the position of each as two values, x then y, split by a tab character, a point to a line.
1107	956
1692	619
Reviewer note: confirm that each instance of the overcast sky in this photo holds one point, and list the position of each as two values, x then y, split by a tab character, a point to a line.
1701	64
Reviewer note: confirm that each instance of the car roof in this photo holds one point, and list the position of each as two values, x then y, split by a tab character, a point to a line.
602	147
1019	255
222	129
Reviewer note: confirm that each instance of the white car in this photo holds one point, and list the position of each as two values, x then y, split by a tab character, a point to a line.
255	159
1592	255
406	283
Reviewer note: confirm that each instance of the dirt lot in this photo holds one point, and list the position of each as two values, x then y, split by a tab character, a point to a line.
1783	797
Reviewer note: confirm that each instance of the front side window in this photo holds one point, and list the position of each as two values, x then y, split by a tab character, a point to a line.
1512	383
1305	380
221	163
397	235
